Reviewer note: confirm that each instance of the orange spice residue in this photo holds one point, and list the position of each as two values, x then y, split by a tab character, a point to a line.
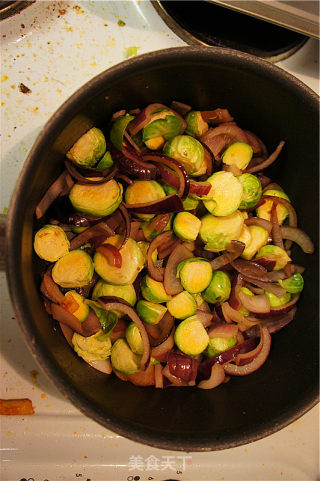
43	395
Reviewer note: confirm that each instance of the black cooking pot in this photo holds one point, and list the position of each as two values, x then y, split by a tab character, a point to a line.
263	99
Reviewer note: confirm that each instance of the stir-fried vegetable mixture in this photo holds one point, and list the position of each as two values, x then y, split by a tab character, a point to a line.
168	249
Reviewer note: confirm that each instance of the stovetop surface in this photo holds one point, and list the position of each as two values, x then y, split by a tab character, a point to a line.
52	48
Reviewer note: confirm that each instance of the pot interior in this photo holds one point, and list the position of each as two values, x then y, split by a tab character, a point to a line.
262	99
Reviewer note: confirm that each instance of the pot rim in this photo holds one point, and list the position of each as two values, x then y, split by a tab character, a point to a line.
255	64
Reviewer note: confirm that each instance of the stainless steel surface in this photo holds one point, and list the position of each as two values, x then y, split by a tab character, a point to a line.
300	16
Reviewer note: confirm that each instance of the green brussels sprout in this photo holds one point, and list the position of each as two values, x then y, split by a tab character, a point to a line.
219	288
123	359
97	200
150	312
51	243
74	269
71	299
252	190
107	319
196	126
191	337
153	291
195	274
189	203
293	284
258	238
187	150
92	348
186	226
218	232
276	301
274	253
134	338
163	125
88	149
238	154
117	130
105	162
132	262
141	191
219	344
125	292
182	305
149	231
264	210
225	195
242	309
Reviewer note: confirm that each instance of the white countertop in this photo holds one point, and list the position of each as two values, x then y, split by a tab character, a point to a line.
53	48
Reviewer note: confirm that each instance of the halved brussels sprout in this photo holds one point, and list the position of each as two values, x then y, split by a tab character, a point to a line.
219	288
225	195
264	210
182	305
153	291
97	200
149	232
74	269
195	274
92	348
245	236
252	190
276	301
134	338
242	309
132	262
88	149
186	226
274	253
141	191
126	292
105	162
51	243
150	312
259	238
123	359
189	203
191	337
239	154
196	126
187	150
107	319
218	232
293	284
117	130
75	303
219	344
163	125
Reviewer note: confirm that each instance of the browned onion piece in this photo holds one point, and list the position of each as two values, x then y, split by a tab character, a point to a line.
175	381
111	253
129	311
204	317
232	315
130	140
233	169
216	143
259	303
143	118
134	229
276	230
171	203
172	284
120	375
103	365
230	129
266	163
299	237
272	186
254	142
180	107
217	377
235	250
86	328
84	180
161	351
265	224
236	284
60	187
67	332
216	116
143	378
223	330
161	331
119	330
98	229
253	270
276	311
158	377
125	178
267	286
182	366
155	272
130	162
177	167
245	358
165	251
50	289
257	362
127	221
274	323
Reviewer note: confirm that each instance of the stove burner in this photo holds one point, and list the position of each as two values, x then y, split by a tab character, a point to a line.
202	22
8	9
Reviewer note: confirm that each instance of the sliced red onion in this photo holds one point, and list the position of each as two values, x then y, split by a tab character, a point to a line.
223	330
125	178
236	284
204	317
175	381
101	228
67	332
265	224
232	315
276	311
129	311
216	143
267	286
161	331
276	229
256	271
86	328
161	351
263	165
155	272
131	163
132	143
217	376
264	180
50	289
235	250
103	365
180	107
182	366
233	169
143	378
259	303
216	116
165	251
84	180
268	264
254	141
299	237
177	167
119	113
61	186
119	330
257	362
158	377
274	323
172	283
171	203
127	221
144	117
111	253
